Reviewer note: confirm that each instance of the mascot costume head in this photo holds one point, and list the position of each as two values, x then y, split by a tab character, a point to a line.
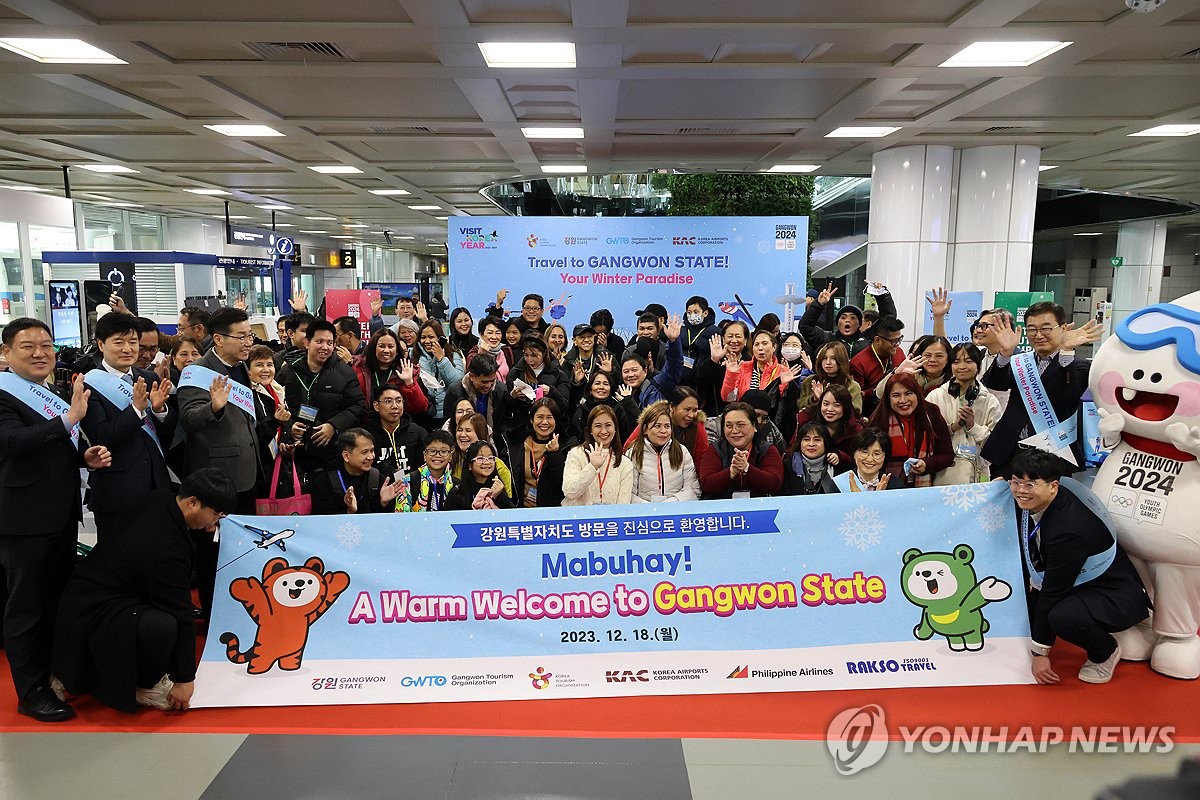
1145	380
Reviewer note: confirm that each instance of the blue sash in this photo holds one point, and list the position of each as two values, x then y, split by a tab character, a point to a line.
40	399
1049	434
120	394
200	377
1095	565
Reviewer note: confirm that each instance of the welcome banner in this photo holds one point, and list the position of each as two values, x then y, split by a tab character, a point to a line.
920	587
743	265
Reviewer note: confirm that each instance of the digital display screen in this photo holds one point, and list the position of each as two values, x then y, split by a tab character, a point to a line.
65	313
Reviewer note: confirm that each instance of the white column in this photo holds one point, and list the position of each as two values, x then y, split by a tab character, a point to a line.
1137	283
993	237
909	226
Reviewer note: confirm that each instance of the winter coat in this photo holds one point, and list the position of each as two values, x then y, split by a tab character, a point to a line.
656	477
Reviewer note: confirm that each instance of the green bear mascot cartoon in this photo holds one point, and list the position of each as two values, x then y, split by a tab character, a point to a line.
944	586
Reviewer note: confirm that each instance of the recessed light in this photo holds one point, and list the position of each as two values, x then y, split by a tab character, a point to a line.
861	132
1089	233
321	232
528	54
1044	167
245	131
355	225
336	169
59	51
320	219
426	208
1002	54
795	168
23	188
107	169
207	191
563	169
552	133
1169	130
274	207
390	192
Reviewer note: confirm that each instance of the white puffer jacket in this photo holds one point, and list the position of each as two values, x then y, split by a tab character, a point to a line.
655	476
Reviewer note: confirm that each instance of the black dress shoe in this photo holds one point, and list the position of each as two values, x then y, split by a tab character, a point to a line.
41	704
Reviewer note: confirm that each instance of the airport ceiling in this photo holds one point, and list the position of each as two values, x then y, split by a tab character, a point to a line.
399	90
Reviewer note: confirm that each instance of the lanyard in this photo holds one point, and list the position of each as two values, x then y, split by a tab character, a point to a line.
882	365
392	438
662	489
604	477
308	387
535	465
342	481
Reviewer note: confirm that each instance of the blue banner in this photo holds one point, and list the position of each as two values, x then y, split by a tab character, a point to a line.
876	589
965	308
622	263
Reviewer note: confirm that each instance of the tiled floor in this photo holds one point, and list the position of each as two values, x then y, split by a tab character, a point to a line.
53	766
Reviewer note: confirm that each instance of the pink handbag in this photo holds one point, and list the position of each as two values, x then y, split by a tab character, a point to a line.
298	505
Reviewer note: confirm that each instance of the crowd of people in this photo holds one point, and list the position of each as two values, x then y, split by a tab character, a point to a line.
493	410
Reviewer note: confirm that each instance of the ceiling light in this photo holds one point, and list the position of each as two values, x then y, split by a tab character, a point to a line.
860	132
1169	130
355	225
245	131
338	236
274	207
1089	233
320	219
121	204
441	218
563	169
426	208
284	225
528	54
409	238
390	192
1002	54
795	168
235	216
552	133
321	232
207	191
23	188
336	169
59	51
1044	167
107	169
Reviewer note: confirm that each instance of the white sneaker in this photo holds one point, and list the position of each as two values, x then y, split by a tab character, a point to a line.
1091	672
156	697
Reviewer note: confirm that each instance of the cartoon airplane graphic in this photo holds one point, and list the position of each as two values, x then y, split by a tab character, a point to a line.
269	538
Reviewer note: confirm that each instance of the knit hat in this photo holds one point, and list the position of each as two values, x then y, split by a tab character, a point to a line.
408	323
757	399
855	310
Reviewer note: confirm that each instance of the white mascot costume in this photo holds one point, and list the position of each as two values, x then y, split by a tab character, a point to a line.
1145	381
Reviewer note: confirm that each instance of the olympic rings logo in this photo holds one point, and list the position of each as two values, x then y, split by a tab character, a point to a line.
1121	501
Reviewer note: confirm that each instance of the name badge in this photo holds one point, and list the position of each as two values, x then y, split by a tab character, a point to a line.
966	451
308	413
688	363
741	495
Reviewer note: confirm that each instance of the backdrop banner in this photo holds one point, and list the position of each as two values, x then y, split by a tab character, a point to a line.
965	308
580	264
920	587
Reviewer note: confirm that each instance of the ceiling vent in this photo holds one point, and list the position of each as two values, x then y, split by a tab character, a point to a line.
393	129
704	131
297	51
999	128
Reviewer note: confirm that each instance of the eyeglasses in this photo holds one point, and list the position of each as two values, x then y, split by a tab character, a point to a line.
531	308
983	326
1025	486
438	453
1041	330
241	337
485	459
737	426
896	340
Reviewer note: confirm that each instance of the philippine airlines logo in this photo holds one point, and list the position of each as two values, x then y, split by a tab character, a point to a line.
531	240
739	672
857	738
541	678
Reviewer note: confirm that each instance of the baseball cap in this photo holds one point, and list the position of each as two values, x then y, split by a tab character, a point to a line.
581	329
657	309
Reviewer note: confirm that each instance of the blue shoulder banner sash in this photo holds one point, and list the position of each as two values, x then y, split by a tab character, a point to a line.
200	377
1096	564
39	398
1049	433
120	394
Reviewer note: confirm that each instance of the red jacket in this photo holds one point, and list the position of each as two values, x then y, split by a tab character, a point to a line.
763	479
868	371
415	401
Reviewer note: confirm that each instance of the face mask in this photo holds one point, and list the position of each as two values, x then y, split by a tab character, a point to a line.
791	353
695	319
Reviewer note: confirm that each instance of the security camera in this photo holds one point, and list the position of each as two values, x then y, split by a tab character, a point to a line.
387	236
1143	6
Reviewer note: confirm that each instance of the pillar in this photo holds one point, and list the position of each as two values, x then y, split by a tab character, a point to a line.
1138	281
910	227
996	197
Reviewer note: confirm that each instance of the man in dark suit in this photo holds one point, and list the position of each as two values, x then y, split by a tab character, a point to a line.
39	498
216	410
1064	377
125	632
1084	587
127	413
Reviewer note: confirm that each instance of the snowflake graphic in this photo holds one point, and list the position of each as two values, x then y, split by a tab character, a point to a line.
990	518
964	495
765	247
861	528
349	535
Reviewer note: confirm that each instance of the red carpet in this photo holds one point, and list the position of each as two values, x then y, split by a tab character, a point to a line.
1137	696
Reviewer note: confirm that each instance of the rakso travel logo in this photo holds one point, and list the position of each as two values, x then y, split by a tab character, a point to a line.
857	738
541	678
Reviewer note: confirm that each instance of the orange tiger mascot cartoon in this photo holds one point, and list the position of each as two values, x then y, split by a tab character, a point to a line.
284	604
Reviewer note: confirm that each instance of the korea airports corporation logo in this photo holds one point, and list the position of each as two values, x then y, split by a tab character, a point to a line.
857	738
541	678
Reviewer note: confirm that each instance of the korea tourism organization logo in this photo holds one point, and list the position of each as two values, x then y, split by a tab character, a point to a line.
541	678
531	240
